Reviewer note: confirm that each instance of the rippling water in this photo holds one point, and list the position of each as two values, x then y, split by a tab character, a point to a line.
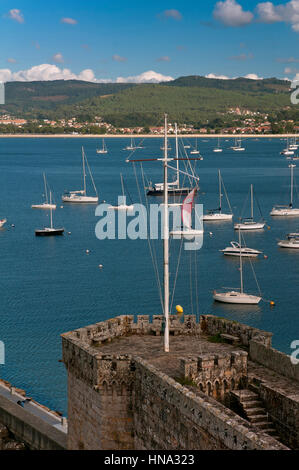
50	286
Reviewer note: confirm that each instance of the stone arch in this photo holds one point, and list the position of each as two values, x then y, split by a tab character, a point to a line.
217	391
225	386
209	388
201	387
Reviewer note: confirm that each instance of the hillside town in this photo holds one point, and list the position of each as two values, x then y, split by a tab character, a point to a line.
243	122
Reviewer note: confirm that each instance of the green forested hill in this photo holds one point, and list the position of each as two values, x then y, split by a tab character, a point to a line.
193	100
145	104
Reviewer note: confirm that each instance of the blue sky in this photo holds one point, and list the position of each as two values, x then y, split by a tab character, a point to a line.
104	40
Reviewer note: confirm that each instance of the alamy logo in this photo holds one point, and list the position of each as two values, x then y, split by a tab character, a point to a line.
122	222
295	354
2	353
2	93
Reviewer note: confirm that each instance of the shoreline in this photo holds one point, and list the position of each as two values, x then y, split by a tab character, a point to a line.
145	136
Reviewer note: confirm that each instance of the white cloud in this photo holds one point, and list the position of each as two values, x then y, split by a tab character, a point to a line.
165	58
119	58
251	76
146	77
69	21
46	72
174	14
58	58
16	15
230	13
287	13
219	77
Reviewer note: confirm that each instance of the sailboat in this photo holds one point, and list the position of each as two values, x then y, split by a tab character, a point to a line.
80	197
187	231
44	205
293	144
249	223
195	151
234	296
287	151
49	231
287	211
174	187
238	146
104	149
218	148
217	214
122	206
292	241
132	145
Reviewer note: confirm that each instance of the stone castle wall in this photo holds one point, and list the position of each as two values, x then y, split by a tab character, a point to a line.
211	325
273	359
122	402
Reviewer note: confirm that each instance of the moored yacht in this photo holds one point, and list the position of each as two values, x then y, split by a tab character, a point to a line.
287	211
292	241
81	197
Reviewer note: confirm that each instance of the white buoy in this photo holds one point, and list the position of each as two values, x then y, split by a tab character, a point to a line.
87	252
101	266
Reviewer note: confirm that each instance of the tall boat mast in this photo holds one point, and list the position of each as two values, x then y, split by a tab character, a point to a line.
177	155
166	241
84	174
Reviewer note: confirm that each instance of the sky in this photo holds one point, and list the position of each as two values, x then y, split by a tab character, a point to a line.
130	40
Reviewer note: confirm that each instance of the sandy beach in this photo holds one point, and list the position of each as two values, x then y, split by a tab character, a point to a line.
145	136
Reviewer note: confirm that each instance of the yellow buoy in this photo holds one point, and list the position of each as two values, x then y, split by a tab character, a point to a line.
272	303
179	310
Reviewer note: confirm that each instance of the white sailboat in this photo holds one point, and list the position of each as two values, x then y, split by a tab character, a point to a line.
132	145
122	206
45	205
187	231
287	211
81	197
292	241
49	231
288	151
195	151
293	144
238	145
237	296
104	149
218	149
249	223
217	214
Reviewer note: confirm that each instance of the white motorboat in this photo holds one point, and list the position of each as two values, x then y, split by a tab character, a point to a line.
292	241
45	205
287	211
236	250
2	222
81	197
216	215
249	223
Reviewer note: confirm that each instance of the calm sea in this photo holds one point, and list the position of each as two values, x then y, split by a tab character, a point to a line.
50	286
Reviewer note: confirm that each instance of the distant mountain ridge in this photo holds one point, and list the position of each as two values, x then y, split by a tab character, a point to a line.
191	99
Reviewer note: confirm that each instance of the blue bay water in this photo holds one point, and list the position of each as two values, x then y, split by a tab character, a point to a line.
50	286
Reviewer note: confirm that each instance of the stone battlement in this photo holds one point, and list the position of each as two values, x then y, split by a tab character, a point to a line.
124	325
